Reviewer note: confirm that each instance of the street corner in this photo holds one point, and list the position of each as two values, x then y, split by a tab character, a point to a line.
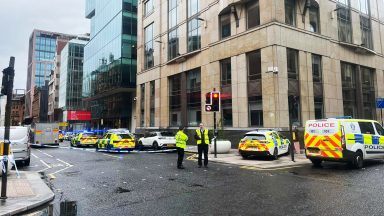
24	193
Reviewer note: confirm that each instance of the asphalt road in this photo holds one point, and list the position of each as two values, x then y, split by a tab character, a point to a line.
144	183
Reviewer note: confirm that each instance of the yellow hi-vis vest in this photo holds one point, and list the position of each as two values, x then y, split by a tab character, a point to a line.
181	140
206	137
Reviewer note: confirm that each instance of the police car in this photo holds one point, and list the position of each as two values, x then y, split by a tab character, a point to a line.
84	139
117	140
263	143
343	139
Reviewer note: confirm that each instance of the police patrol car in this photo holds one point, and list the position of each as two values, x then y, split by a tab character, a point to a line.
116	140
263	143
343	139
84	139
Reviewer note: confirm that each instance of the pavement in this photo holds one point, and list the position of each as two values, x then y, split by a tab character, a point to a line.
234	158
26	192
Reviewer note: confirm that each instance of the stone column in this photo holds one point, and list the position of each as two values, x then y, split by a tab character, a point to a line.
239	91
164	102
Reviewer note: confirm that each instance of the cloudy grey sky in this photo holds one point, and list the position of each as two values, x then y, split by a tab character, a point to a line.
18	18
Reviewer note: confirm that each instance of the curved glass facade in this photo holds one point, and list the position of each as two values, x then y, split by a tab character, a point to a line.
110	59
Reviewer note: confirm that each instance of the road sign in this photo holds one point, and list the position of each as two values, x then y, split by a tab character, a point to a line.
380	103
208	108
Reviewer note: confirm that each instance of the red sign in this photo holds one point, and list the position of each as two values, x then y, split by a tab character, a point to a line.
79	116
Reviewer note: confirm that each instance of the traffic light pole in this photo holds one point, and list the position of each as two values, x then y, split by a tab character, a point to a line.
215	133
8	85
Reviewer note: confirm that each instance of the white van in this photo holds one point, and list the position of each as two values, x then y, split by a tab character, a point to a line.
20	146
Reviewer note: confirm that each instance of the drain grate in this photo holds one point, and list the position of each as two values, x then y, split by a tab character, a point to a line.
122	190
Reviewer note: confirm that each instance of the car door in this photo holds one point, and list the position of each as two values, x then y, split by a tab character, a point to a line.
379	138
368	132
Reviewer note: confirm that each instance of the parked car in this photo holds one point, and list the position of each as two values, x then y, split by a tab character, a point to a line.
263	143
116	140
84	139
158	140
20	143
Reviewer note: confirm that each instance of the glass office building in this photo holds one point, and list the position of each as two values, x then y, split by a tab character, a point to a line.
71	75
41	60
110	62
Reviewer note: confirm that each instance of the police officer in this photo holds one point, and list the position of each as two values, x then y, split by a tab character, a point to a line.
202	137
181	144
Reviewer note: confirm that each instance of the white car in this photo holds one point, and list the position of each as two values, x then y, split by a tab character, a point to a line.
20	143
158	140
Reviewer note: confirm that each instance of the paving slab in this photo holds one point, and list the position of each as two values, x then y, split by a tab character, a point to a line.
24	193
234	158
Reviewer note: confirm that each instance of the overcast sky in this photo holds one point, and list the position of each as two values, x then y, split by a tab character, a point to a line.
18	18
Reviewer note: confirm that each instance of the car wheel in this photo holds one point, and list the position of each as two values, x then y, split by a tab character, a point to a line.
316	162
358	160
140	145
97	146
27	162
275	154
245	157
155	146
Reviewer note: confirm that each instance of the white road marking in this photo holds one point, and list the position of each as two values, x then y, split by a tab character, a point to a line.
61	170
34	155
68	164
49	167
111	155
39	150
42	170
47	154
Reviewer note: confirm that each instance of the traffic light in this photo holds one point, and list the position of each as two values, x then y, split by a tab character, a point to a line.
216	101
208	99
4	84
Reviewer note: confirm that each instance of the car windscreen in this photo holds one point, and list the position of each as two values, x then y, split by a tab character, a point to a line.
254	137
125	136
88	135
167	134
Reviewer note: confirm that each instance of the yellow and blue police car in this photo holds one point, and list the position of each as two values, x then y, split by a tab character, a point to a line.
116	141
84	139
343	139
263	143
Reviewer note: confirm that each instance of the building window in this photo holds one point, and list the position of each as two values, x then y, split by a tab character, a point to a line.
253	14
225	25
193	97
318	86
290	12
142	105
175	100
173	37
152	104
173	44
226	90
366	32
255	111
194	29
368	89
344	23
293	86
148	57
292	64
348	78
364	6
254	65
148	7
225	66
314	19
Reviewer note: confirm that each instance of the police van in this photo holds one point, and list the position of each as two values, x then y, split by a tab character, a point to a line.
343	139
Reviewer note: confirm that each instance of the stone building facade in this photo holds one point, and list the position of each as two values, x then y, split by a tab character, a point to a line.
271	59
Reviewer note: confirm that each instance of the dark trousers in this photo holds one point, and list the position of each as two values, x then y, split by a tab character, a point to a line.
180	156
203	148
